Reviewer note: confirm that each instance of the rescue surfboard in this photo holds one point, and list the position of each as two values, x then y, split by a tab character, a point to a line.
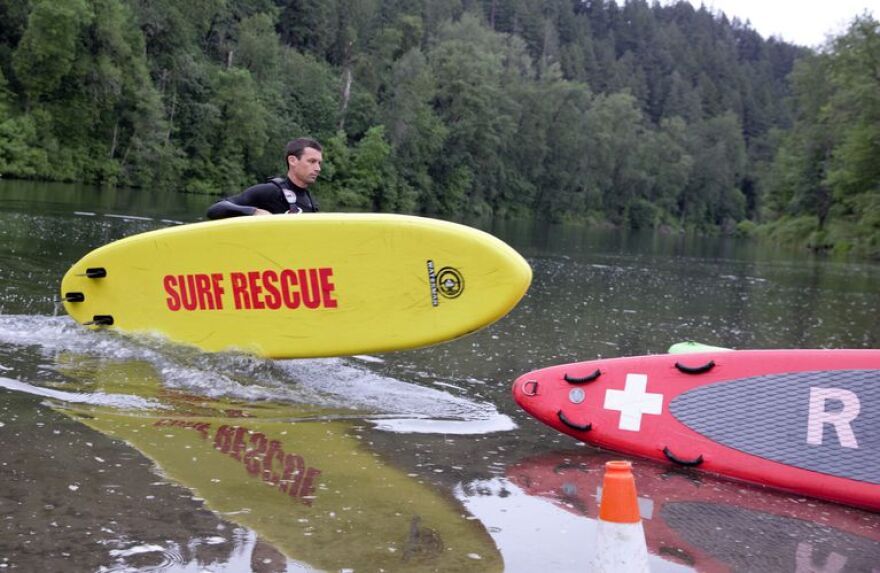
293	287
806	421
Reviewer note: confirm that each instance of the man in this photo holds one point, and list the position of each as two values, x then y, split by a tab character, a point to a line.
278	195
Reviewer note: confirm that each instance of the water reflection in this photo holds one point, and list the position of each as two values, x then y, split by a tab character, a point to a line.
302	478
534	534
72	499
709	523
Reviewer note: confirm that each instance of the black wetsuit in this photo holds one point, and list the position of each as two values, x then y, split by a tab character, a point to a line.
271	196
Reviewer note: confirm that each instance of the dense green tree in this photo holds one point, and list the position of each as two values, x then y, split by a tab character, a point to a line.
712	195
416	132
372	174
854	111
618	137
237	126
361	177
50	45
86	84
553	160
20	153
258	48
309	25
5	96
671	165
826	166
467	64
13	21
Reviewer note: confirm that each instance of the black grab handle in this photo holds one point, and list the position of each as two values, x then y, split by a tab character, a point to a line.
583	379
673	458
580	428
695	369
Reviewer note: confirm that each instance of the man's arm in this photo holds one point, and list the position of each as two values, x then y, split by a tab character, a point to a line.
225	208
256	200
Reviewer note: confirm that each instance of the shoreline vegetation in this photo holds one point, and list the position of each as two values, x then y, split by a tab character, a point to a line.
632	115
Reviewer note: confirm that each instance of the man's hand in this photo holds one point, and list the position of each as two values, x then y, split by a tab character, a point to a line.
258	211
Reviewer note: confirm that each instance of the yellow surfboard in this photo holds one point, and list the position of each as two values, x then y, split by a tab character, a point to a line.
293	287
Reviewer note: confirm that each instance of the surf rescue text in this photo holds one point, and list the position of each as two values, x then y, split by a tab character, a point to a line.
310	288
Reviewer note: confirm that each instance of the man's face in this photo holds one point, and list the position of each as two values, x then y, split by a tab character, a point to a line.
305	170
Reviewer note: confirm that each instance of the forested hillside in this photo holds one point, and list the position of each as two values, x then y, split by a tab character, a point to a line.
637	114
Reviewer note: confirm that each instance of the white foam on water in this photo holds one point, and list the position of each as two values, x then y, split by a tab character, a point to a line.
122	401
368	358
58	334
241	557
327	382
497	423
136	550
179	366
364	389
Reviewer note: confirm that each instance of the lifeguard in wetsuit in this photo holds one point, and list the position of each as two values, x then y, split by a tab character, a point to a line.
278	195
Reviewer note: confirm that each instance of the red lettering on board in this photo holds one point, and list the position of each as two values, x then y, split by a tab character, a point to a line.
254	456
294	469
327	287
203	288
200	427
310	288
272	453
173	300
266	460
288	281
217	289
256	289
188	291
194	292
237	443
307	492
273	299
239	291
223	438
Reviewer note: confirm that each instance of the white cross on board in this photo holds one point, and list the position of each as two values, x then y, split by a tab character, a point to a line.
633	401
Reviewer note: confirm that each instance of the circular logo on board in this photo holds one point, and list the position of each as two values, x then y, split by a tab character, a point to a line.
450	282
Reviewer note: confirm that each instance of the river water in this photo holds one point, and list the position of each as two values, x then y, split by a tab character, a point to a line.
134	454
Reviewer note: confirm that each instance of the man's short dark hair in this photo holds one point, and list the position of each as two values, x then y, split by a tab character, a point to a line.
296	147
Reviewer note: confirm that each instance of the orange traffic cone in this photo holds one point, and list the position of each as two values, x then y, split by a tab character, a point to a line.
620	539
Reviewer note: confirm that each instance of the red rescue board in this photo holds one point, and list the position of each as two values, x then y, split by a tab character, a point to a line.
805	421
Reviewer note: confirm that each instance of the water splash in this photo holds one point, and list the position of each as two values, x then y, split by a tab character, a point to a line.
350	383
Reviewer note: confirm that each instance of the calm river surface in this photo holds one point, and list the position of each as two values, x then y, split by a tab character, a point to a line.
134	454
